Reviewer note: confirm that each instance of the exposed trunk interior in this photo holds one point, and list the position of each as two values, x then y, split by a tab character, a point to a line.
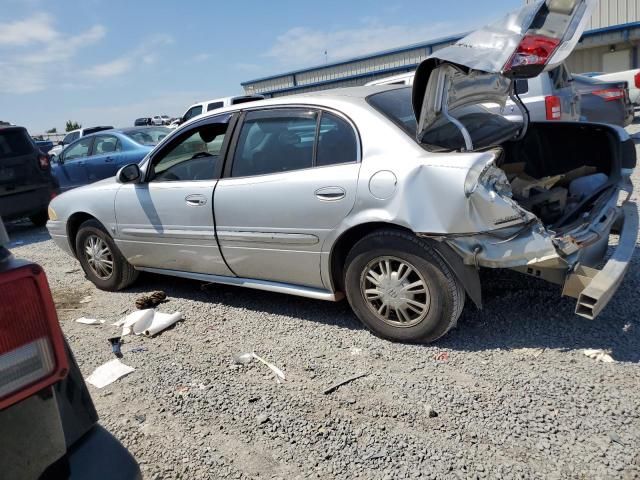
559	171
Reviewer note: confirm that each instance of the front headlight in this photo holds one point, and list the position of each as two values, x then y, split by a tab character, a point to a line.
52	214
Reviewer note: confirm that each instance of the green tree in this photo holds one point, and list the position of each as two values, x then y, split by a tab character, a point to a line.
52	130
72	126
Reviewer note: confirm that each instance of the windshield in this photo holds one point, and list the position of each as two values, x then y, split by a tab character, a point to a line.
485	127
147	136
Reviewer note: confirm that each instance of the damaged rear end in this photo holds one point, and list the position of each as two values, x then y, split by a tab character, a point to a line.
550	194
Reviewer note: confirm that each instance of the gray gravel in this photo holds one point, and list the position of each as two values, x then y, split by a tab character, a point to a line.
508	394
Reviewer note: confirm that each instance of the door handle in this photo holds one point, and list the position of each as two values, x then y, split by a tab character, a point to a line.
195	200
330	194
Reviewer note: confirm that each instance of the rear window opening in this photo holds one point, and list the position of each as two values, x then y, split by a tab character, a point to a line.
14	143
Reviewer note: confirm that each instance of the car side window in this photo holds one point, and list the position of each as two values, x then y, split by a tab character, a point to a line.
193	111
337	141
273	141
106	144
78	150
70	138
214	105
194	155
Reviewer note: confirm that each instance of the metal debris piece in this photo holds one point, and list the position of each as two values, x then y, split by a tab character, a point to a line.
246	358
337	385
599	355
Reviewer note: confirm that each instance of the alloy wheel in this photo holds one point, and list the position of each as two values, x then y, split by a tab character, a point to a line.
99	257
395	291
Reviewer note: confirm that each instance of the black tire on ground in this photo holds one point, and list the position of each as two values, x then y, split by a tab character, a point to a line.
40	219
122	274
438	307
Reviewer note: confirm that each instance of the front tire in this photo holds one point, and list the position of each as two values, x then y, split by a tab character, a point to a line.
401	289
101	260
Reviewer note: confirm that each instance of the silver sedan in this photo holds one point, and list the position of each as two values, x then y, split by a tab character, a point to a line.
394	196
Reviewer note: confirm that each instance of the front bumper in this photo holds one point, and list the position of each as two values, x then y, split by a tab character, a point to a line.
594	288
58	231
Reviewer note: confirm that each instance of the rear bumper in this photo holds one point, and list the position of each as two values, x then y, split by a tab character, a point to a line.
594	288
24	204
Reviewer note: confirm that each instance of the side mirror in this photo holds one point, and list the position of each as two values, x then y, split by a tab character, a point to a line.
60	143
129	173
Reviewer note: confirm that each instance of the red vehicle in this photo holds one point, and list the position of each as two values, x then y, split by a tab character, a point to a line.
48	423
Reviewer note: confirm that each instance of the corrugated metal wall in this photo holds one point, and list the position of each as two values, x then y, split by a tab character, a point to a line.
588	57
613	12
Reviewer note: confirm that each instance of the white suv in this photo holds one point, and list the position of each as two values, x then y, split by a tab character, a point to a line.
203	107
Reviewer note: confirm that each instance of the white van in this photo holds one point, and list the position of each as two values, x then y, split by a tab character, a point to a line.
203	107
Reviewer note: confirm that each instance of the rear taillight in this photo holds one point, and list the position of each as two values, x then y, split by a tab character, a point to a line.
610	94
553	107
534	51
636	80
43	159
32	353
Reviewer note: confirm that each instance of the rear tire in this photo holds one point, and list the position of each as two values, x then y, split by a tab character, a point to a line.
401	289
40	218
101	260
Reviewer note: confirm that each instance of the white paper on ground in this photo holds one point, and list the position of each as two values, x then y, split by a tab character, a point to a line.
599	355
89	321
148	322
140	316
108	373
159	322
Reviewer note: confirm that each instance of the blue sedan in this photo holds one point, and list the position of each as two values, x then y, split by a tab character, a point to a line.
100	155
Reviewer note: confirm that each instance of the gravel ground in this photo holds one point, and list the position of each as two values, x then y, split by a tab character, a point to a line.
507	394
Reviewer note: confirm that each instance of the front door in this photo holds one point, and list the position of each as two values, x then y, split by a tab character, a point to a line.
292	180
70	169
166	222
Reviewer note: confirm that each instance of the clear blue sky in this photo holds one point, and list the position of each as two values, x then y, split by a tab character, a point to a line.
108	62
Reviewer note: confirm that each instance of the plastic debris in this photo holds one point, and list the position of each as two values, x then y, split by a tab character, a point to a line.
245	358
337	385
599	355
151	301
86	299
116	343
442	357
148	322
108	373
89	321
137	350
72	270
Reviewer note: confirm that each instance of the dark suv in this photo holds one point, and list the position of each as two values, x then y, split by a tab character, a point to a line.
48	424
26	183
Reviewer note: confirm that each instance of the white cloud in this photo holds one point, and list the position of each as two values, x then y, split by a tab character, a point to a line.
34	53
36	29
145	53
301	46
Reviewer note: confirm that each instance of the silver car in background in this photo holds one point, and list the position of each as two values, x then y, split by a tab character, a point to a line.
393	196
550	96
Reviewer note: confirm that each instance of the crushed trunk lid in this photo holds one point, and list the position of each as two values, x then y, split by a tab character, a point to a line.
481	67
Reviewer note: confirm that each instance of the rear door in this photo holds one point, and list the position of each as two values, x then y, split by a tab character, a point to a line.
292	179
105	158
70	169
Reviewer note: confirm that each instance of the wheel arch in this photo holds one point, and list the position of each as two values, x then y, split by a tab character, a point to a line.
467	275
73	225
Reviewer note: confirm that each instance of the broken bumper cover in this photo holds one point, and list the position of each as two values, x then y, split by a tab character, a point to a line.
595	287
